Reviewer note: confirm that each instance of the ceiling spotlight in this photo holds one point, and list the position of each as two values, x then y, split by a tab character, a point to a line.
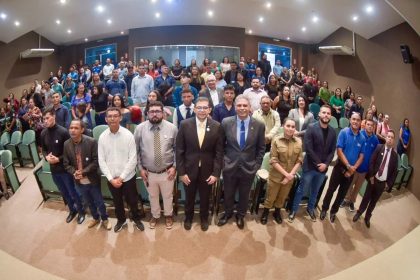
169	1
369	9
250	31
58	21
63	2
355	18
315	19
268	5
86	39
122	32
153	1
303	29
157	15
109	21
288	38
17	23
69	31
261	19
3	16
100	8
210	13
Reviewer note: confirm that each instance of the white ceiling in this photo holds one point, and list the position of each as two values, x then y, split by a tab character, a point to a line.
284	19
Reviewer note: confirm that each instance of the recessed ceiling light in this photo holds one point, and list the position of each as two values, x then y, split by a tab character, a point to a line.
157	15
261	19
86	39
288	38
100	8
250	31
210	13
109	21
169	1
122	32
3	16
17	23
303	29
369	9
153	1
355	18
58	21
268	5
315	19
69	31
63	1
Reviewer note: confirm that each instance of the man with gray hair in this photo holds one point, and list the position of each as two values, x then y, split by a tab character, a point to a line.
213	94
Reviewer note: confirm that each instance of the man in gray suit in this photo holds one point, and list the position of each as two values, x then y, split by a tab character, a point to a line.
244	144
213	94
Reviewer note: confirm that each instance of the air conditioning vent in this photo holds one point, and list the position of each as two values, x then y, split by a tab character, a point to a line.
36	53
336	50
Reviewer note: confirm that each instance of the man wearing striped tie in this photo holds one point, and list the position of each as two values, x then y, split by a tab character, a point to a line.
244	141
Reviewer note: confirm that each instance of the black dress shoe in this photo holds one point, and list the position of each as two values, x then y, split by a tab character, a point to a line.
264	216
80	218
291	216
204	224
367	223
223	220
311	214
71	216
356	217
187	224
139	225
277	216
240	222
332	217
323	215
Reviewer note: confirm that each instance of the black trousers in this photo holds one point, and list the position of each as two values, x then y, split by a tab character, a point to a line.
338	180
232	182
371	197
128	190
204	191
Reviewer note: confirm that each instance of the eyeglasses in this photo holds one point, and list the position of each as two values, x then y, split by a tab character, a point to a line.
202	108
155	112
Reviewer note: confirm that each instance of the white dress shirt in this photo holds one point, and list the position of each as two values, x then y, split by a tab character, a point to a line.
214	97
254	97
117	154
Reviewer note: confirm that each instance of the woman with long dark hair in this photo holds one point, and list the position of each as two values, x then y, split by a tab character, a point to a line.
118	101
272	87
283	103
99	103
404	137
302	116
337	104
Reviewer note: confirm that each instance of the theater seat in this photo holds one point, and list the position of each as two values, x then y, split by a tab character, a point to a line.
15	140
97	131
408	170
46	184
4	140
9	170
258	194
27	149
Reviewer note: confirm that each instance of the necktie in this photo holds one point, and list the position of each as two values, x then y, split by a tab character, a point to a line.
188	115
242	136
156	147
382	167
201	132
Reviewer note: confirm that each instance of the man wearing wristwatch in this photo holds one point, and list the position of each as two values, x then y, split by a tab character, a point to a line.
350	150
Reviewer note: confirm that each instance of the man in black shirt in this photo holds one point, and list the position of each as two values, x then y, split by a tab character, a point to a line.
357	106
52	141
265	66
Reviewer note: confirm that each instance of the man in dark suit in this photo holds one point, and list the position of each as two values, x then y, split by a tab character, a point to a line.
199	156
213	94
230	75
382	171
244	141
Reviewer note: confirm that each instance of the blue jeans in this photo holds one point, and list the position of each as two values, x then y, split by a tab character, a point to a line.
65	184
311	180
93	196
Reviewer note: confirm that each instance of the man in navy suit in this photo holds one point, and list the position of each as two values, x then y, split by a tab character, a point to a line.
199	155
244	143
383	169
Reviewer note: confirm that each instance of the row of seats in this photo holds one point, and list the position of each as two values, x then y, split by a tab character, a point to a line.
23	148
9	171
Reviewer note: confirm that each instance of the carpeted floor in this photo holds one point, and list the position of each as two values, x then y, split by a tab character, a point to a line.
37	234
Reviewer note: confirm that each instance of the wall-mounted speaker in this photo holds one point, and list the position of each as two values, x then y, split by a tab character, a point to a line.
406	54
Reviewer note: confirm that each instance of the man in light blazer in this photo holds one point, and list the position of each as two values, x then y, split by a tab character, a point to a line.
199	156
383	169
244	144
213	94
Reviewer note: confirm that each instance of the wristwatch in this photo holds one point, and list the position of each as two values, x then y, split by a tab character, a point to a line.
348	166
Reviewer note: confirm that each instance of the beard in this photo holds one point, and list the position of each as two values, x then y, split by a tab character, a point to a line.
155	120
323	120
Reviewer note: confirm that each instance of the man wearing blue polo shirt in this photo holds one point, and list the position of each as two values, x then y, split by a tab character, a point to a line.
350	150
115	85
185	84
97	68
165	84
359	177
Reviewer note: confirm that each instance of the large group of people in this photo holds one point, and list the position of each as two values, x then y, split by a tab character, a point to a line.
202	123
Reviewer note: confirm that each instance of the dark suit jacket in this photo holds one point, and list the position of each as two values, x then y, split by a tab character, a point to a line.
250	158
316	150
231	76
189	153
376	160
89	150
206	93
